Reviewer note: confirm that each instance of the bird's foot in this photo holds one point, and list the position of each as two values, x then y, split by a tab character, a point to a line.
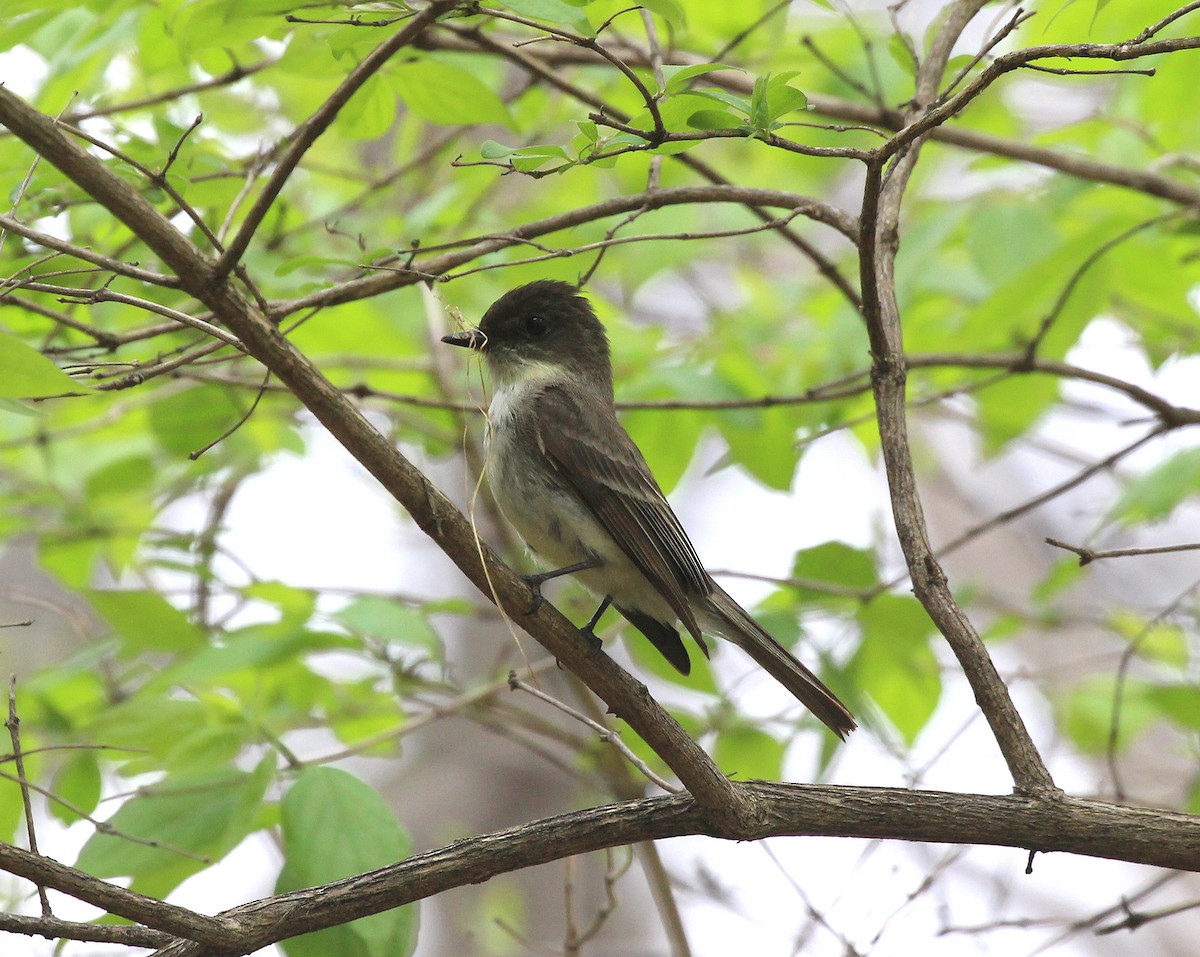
536	581
589	630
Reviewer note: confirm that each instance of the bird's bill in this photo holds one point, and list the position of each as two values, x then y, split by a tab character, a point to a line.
470	339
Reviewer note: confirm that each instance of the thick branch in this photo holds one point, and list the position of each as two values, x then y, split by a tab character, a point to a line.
430	509
883	196
1161	838
157	915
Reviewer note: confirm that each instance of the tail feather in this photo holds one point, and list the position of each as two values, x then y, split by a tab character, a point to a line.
723	616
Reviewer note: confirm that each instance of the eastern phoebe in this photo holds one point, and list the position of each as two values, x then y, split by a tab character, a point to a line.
572	482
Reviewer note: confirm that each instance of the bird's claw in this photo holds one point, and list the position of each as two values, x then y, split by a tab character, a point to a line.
535	585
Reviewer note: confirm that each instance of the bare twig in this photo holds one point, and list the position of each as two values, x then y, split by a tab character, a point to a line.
606	734
1089	555
14	733
307	132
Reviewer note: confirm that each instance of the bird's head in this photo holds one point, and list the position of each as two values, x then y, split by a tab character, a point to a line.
540	330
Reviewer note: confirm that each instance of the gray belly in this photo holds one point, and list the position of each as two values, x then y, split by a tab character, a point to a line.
561	531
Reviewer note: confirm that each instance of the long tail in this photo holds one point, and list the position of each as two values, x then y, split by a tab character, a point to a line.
725	617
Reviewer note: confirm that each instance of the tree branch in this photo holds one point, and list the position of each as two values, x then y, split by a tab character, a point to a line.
1154	837
882	200
838	108
307	132
430	509
433	268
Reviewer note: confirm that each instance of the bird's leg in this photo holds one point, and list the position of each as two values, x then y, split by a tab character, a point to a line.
589	630
535	582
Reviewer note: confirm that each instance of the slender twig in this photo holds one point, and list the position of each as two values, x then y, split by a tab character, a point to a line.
1170	18
1141	179
833	67
303	137
690	136
1132	646
174	153
86	255
1084	267
234	74
94	296
14	733
1089	555
1134	919
590	43
1008	62
606	734
1019	16
102	827
59	930
738	38
545	73
458	705
1055	491
105	340
262	388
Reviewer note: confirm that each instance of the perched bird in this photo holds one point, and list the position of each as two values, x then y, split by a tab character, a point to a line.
577	489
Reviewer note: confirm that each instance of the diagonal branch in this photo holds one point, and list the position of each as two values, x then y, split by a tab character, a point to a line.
307	132
882	199
435	514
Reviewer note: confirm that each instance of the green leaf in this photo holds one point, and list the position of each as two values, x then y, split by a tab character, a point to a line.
388	620
843	566
145	621
295	605
26	374
1155	495
527	159
191	419
747	753
490	149
669	10
739	103
446	94
780	98
902	54
759	116
78	784
1009	408
189	820
1161	641
335	826
895	665
677	78
551	11
715	120
1063	574
1179	702
648	660
252	647
1086	713
764	443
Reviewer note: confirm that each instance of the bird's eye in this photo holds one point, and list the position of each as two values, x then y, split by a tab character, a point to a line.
535	326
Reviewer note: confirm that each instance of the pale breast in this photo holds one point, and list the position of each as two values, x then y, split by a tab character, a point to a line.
547	512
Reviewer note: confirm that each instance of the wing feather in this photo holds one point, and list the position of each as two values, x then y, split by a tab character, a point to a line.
608	471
